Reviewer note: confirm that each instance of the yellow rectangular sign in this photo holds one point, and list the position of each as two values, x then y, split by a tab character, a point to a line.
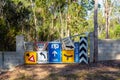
68	56
30	57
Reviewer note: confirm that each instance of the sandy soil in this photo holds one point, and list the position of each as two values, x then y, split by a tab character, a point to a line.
105	70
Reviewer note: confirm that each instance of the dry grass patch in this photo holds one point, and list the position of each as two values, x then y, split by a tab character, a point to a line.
100	71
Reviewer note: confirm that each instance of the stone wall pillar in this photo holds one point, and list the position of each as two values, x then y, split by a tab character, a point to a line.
91	46
1	60
20	48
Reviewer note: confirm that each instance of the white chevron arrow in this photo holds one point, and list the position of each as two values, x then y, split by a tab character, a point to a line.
84	60
83	39
82	52
83	45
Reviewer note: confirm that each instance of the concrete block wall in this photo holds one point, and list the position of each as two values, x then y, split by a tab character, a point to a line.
108	49
0	59
91	46
10	59
20	48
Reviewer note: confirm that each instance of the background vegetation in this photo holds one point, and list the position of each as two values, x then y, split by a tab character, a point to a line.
46	20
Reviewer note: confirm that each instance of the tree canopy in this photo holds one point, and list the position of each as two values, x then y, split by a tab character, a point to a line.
47	20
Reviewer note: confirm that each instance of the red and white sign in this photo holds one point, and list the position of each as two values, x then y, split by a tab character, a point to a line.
32	59
40	46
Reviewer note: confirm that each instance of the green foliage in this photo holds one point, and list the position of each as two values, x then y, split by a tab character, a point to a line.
14	20
114	33
117	31
55	19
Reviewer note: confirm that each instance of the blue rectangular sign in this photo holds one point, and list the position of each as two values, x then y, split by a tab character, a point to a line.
76	51
54	52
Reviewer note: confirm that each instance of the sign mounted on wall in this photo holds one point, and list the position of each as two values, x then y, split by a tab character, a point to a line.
40	46
76	51
30	57
54	52
67	56
83	54
28	46
42	56
68	43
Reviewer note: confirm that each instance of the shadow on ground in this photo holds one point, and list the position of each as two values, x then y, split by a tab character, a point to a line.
104	70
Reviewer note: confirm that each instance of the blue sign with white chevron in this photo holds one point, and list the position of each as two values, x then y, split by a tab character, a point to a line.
54	52
83	50
76	51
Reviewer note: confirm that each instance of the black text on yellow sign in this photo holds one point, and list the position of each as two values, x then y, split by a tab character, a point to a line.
68	56
30	57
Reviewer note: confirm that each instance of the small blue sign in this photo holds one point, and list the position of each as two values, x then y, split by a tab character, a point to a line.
54	52
76	51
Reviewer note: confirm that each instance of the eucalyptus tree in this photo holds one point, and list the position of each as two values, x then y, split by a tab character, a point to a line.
60	18
111	16
52	19
115	20
111	13
108	4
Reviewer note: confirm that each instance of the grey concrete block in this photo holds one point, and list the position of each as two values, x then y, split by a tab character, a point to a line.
102	56
0	59
29	46
12	59
108	49
20	44
91	47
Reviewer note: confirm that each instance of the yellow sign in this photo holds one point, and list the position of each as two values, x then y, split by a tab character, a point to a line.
30	57
68	56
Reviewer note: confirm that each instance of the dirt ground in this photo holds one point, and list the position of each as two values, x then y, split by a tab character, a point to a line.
105	70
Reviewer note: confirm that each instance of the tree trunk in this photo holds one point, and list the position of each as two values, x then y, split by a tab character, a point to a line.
62	27
95	58
35	20
107	19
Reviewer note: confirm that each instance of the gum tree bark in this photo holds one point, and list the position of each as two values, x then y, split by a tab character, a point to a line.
95	58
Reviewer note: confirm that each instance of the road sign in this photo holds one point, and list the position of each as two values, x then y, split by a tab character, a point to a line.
76	51
83	55
30	57
68	43
28	46
67	56
40	46
42	57
54	52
